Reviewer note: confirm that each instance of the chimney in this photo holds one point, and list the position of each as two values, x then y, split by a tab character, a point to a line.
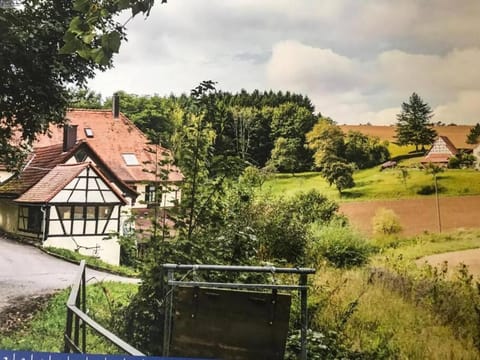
116	106
69	136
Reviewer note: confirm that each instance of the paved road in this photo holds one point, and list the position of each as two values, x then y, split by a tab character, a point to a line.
25	270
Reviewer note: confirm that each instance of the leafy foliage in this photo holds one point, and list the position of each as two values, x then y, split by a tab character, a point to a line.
386	222
34	74
340	245
413	123
283	156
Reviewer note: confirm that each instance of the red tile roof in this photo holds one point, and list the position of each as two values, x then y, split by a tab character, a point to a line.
112	138
39	163
56	179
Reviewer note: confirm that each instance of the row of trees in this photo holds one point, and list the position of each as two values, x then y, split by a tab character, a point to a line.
268	129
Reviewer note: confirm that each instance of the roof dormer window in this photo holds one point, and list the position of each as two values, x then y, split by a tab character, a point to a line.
88	132
130	159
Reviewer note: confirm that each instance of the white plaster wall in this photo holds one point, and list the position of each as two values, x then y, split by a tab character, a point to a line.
8	216
476	153
107	249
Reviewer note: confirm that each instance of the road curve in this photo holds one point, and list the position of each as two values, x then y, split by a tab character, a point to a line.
25	271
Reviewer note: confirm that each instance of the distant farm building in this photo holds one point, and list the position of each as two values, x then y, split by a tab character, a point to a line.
442	150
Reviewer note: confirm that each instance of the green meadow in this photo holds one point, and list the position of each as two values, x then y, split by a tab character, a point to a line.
373	184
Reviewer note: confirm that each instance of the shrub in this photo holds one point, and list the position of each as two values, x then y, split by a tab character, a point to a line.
340	245
426	190
454	162
282	224
386	222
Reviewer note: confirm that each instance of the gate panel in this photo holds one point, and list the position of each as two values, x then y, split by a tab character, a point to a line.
229	324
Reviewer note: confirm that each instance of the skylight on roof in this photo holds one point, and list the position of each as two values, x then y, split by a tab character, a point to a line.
88	132
130	159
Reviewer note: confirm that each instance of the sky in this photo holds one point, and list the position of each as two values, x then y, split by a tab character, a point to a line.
356	60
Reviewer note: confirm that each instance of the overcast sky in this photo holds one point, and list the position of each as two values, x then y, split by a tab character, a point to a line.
356	60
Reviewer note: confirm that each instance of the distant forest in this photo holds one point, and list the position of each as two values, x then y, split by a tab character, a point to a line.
247	125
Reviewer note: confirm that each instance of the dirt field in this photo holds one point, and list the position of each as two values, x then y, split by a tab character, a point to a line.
467	257
457	134
418	215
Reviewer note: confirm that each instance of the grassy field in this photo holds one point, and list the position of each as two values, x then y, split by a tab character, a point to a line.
372	184
386	318
45	331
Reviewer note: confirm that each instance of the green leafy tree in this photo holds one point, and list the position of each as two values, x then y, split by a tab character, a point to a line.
94	33
413	123
291	121
365	151
34	75
340	174
474	134
85	98
327	140
283	156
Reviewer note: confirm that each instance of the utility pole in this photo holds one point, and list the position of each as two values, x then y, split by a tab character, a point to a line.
438	204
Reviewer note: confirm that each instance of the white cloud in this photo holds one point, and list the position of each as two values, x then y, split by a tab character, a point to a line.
304	68
357	60
465	109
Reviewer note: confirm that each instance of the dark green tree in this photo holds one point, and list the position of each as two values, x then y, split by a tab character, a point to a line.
413	123
34	75
365	151
85	99
338	172
474	134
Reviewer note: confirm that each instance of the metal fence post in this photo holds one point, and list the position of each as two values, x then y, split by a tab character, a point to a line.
84	309
167	321
303	316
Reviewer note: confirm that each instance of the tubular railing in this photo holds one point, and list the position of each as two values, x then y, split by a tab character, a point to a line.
77	321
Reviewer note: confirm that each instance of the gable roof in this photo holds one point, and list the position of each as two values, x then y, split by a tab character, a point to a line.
42	160
449	144
59	177
111	137
441	156
39	163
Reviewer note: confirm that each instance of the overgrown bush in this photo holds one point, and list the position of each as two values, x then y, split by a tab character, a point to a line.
455	301
386	222
282	224
339	244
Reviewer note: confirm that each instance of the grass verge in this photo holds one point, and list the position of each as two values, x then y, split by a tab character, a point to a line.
91	262
44	330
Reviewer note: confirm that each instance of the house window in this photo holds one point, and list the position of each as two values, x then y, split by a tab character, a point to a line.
104	212
88	132
150	194
30	219
130	159
65	212
87	220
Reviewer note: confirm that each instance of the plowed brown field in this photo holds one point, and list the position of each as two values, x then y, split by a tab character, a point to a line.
418	215
456	134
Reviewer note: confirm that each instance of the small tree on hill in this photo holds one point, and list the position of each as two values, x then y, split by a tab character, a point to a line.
473	136
414	126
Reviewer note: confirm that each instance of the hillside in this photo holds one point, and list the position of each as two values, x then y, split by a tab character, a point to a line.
457	134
